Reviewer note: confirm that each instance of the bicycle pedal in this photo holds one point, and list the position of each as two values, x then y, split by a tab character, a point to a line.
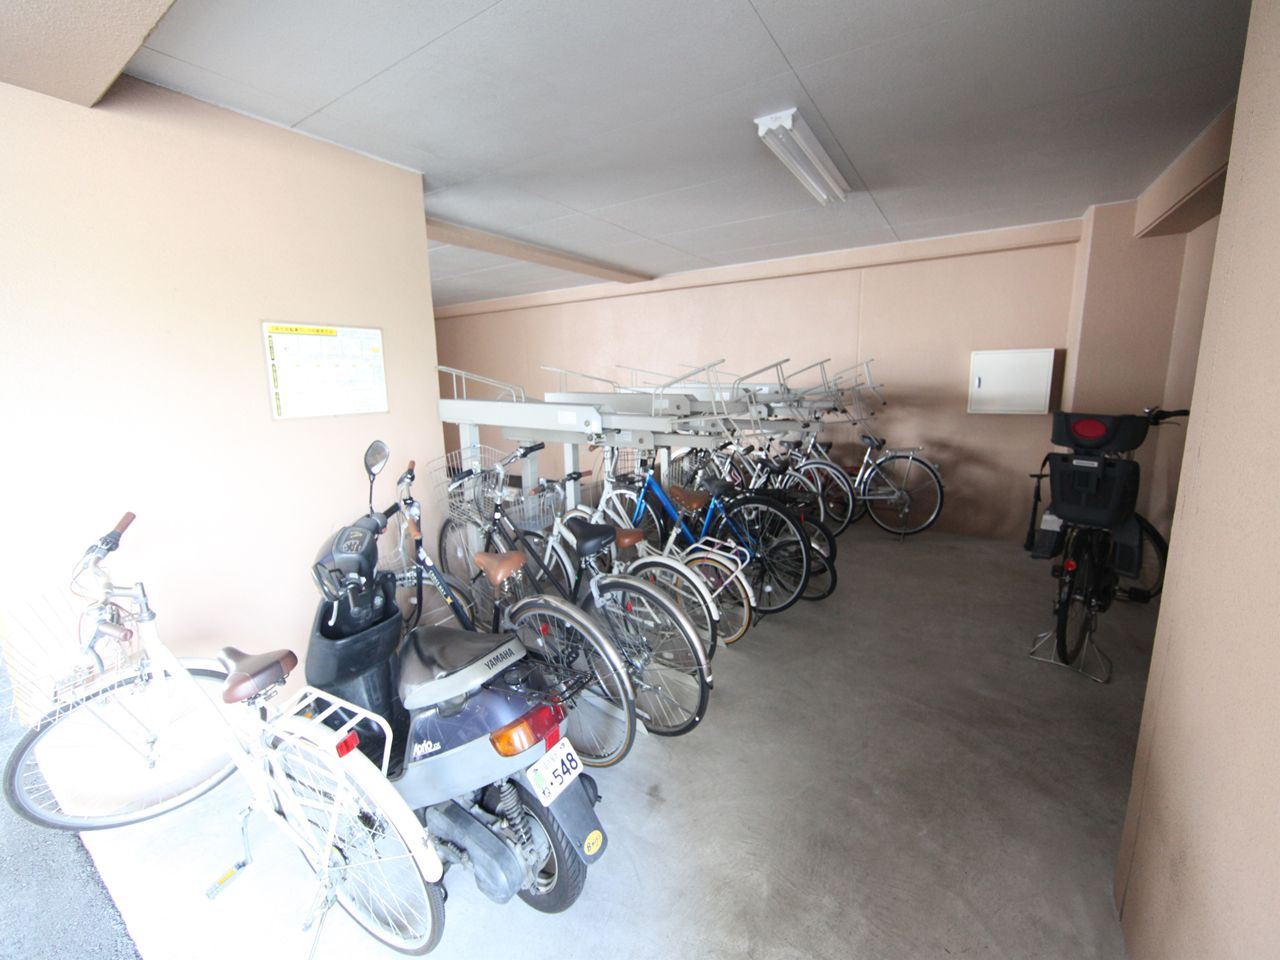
221	883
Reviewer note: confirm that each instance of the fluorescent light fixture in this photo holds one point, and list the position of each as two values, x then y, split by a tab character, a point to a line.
788	136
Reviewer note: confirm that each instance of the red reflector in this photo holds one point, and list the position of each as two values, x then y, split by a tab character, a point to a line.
1089	428
1069	565
348	743
544	628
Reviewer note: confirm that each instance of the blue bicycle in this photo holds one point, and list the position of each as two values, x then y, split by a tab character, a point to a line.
779	558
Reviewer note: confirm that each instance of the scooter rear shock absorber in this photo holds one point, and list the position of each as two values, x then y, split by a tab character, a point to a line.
510	810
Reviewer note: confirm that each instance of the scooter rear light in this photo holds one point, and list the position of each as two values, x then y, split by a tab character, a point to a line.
541	722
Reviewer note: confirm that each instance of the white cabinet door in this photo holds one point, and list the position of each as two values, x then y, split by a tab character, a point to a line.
1010	381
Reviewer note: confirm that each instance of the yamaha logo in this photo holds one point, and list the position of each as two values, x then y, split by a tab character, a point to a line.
502	656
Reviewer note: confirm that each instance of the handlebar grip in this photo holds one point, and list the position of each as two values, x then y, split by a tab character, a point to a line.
585	473
391	511
540	488
750	450
532	448
412	465
412	524
123	525
116	631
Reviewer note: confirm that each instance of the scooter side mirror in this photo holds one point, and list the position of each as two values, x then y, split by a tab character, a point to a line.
375	458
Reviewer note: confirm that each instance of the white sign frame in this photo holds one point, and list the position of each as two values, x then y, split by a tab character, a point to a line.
315	371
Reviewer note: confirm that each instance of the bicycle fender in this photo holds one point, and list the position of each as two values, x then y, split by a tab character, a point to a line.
572	810
698	584
395	809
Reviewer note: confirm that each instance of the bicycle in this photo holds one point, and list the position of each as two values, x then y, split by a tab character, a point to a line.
146	737
1093	524
659	645
899	489
582	671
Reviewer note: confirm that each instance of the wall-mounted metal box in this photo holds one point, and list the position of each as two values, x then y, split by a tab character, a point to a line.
1010	381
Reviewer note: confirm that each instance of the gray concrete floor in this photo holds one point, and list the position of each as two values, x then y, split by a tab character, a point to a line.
884	774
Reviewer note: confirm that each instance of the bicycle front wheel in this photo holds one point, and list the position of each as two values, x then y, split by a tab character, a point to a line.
667	664
730	592
903	494
1075	598
133	751
835	490
581	664
689	592
1149	582
620	509
779	564
337	810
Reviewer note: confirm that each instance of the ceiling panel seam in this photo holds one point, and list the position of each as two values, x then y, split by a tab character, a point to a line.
396	63
818	110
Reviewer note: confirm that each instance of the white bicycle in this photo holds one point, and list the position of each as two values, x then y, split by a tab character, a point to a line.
132	731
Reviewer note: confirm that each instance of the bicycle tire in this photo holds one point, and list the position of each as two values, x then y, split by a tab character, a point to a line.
1149	582
835	490
1075	598
822	579
779	564
731	593
458	543
669	670
575	651
914	504
95	745
688	590
370	860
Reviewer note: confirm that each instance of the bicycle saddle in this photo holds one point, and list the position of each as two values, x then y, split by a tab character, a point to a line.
499	566
628	537
250	674
719	488
875	443
592	537
688	500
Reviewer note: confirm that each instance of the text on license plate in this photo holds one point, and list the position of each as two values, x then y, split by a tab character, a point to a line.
557	768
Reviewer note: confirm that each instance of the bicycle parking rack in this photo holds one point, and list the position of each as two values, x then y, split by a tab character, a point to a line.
1049	637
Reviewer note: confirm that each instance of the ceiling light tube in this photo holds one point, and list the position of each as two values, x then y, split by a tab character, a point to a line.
790	138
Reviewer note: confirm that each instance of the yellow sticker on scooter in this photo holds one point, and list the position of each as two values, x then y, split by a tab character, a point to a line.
592	843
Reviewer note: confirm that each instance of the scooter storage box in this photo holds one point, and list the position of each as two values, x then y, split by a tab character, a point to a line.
1092	491
1097	432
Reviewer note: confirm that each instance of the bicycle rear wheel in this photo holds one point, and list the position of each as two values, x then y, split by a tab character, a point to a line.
685	587
822	561
903	494
731	593
1075	598
668	667
578	659
836	490
779	564
133	751
340	812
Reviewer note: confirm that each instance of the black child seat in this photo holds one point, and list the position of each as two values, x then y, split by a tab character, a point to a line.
1099	432
1088	488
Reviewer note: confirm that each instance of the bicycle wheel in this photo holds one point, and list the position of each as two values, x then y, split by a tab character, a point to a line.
620	509
822	561
458	543
138	749
558	577
730	592
689	592
580	662
1075	598
836	491
340	812
668	668
903	494
1149	582
779	564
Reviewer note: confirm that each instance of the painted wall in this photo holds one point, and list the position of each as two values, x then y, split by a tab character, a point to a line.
142	243
1198	871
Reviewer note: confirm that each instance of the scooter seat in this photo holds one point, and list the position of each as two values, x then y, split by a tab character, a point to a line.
591	537
443	662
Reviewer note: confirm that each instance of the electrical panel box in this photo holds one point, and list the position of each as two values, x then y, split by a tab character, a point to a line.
1010	381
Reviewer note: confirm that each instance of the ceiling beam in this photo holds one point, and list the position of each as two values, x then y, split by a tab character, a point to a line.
1189	191
459	236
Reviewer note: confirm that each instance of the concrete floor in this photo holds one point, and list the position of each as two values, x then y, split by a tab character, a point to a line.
881	775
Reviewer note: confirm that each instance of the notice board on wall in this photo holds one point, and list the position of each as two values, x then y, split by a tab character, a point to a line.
324	371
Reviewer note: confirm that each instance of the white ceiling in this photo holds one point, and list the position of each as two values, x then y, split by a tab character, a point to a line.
620	130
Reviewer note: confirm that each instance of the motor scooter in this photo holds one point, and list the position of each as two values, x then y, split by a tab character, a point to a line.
477	752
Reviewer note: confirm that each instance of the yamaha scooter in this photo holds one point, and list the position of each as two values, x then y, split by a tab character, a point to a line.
477	753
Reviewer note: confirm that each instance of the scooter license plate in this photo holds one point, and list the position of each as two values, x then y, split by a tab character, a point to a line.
557	768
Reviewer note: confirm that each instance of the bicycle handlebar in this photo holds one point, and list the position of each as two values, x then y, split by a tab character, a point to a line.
1156	416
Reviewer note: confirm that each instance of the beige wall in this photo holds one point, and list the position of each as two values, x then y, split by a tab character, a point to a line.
1199	865
918	319
142	243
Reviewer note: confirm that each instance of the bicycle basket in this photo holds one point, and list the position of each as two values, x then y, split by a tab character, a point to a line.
42	648
1098	433
1093	491
537	512
470	500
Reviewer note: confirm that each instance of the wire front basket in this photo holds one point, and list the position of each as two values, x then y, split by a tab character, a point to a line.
44	648
466	484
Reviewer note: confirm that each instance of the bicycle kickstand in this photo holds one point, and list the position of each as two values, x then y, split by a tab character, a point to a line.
325	895
231	874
